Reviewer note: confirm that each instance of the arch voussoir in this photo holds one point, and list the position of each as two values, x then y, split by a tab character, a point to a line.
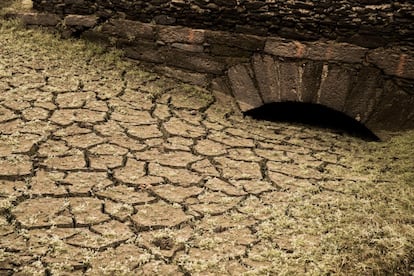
242	81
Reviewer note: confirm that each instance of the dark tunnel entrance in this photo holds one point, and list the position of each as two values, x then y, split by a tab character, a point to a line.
313	115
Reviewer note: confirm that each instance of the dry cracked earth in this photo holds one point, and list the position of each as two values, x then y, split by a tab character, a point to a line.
110	170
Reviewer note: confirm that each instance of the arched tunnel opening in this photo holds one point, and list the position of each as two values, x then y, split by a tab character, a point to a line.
313	115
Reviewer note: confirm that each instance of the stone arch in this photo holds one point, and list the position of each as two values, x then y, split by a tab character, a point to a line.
366	73
359	91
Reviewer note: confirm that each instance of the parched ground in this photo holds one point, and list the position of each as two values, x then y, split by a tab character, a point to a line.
106	169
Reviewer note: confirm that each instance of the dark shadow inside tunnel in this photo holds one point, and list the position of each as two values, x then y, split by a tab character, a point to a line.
313	115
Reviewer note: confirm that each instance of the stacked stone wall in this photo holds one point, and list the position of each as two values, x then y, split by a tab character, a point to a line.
369	23
356	57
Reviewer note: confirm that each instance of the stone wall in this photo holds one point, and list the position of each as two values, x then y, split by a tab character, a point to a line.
368	23
356	57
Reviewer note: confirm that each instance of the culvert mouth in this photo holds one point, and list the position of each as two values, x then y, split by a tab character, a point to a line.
312	115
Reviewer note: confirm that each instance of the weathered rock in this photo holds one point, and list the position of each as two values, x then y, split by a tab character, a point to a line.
336	83
181	35
267	74
394	62
244	90
360	105
128	29
290	81
81	20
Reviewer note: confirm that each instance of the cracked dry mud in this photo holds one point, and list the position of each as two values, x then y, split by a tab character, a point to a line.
108	171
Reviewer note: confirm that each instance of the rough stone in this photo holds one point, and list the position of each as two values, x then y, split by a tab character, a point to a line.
361	105
290	79
196	62
244	90
128	29
181	35
284	48
333	51
81	20
394	62
324	51
384	116
267	75
310	80
336	83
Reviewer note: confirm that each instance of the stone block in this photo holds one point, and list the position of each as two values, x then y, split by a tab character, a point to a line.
334	51
232	61
188	47
225	51
87	21
311	72
336	84
244	90
42	19
323	51
393	112
199	63
240	41
290	81
284	48
373	40
267	76
170	34
365	94
222	85
224	99
128	29
146	52
184	76
393	62
405	84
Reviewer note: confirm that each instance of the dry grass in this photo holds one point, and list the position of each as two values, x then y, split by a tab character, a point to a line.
15	5
361	227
